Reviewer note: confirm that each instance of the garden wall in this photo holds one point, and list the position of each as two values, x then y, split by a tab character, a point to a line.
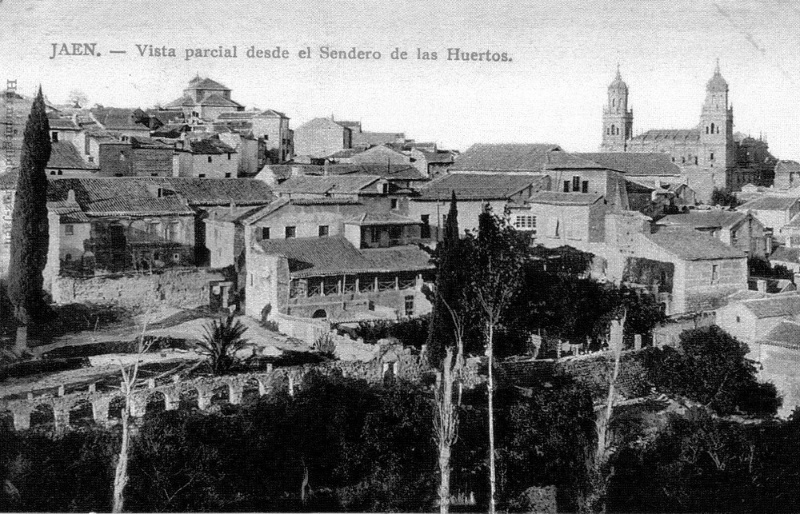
178	288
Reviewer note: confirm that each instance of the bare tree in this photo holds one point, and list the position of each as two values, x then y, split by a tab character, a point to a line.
128	385
600	472
446	414
77	98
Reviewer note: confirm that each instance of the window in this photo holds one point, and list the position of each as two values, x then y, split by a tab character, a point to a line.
695	160
425	232
154	228
209	158
229	156
54	137
714	273
409	305
395	233
154	174
291	232
566	186
86	145
394	203
69	230
385	188
585	186
376	235
68	257
525	222
227	175
738	319
711	156
201	175
323	231
172	232
91	159
176	257
576	183
712	128
264	232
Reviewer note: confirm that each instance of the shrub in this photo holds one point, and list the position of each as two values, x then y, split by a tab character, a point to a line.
220	343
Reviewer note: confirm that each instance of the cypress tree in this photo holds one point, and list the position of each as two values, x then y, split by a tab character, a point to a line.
448	286
29	227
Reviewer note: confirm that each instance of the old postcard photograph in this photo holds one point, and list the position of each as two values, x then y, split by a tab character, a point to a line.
420	256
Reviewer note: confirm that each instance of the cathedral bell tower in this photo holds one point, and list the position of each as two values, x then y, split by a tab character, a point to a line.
617	119
716	125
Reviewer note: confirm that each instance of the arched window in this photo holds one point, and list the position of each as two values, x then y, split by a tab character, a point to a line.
613	102
712	128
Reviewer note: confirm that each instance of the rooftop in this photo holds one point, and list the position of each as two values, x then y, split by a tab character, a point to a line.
556	198
331	256
517	157
786	334
775	306
65	156
326	185
479	186
691	245
670	134
712	218
635	163
769	203
380	218
786	254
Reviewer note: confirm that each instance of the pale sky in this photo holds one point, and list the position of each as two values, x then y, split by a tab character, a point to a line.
564	54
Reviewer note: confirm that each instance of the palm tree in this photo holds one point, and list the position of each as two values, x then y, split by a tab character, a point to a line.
223	338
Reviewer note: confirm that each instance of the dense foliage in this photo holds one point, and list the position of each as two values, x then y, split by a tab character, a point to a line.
221	340
29	227
701	464
337	444
724	197
710	367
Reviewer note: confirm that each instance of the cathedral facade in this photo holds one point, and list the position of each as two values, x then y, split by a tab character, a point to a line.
710	155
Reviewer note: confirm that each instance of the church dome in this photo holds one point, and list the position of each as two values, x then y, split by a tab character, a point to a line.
618	84
717	83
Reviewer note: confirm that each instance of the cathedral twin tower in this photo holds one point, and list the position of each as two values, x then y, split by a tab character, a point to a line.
709	145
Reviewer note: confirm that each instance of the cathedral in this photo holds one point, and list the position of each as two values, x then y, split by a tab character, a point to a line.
710	155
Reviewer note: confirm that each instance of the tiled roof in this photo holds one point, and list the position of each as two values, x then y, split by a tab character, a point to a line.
331	184
112	118
479	186
207	83
231	214
184	101
318	256
198	192
517	157
62	124
217	100
331	256
635	163
775	306
345	153
786	254
439	156
786	334
769	203
376	138
209	146
712	218
325	201
670	134
556	198
397	258
691	245
127	205
249	115
65	156
265	210
380	218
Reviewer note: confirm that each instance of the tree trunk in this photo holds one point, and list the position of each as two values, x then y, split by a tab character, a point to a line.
446	429
121	475
21	345
490	385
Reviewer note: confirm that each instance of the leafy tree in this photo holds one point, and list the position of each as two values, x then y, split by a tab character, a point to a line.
77	98
221	341
29	226
724	197
498	256
710	367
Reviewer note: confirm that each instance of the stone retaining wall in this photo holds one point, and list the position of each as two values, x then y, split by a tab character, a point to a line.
178	288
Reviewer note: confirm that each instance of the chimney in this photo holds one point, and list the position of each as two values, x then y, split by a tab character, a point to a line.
71	196
761	285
